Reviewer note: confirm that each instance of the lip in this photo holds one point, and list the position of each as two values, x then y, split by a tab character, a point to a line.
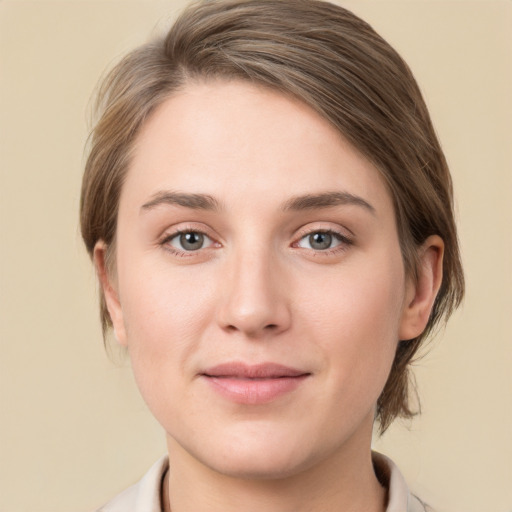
253	384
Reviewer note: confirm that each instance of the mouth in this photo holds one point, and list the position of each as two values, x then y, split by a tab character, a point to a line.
253	384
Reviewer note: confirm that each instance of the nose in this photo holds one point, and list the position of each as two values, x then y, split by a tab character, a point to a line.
255	301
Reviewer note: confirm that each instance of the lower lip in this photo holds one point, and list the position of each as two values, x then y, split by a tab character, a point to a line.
254	391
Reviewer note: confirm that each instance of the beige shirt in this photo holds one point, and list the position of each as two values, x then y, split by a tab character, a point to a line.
145	495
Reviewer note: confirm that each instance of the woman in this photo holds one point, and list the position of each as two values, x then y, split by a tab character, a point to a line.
270	216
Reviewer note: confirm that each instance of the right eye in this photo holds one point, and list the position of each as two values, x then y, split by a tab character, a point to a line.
188	241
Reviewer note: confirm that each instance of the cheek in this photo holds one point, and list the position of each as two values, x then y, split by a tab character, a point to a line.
164	316
358	299
161	302
356	317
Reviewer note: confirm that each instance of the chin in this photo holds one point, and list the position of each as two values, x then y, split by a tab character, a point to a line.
264	456
268	466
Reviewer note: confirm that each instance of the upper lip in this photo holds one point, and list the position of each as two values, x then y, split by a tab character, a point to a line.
239	370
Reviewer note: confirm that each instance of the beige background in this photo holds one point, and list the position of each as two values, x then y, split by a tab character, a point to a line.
73	430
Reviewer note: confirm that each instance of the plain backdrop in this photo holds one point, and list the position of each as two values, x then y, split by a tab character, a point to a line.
73	430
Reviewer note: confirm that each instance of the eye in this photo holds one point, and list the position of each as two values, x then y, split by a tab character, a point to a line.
322	240
189	241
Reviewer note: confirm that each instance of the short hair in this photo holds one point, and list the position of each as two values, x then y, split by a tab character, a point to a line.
331	60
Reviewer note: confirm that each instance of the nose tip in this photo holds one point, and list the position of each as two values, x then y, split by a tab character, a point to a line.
251	325
255	303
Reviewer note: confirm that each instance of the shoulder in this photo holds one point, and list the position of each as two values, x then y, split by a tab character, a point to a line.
400	499
144	496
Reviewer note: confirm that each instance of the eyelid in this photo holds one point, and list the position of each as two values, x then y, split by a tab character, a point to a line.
337	232
178	234
174	232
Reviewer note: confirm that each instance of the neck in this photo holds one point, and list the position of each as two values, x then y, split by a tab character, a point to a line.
343	482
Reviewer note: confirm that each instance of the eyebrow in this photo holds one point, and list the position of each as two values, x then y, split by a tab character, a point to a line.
192	201
303	202
326	200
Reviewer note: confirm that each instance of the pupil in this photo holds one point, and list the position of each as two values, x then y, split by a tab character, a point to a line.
191	241
320	240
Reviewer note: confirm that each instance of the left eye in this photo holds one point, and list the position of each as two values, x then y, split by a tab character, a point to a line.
320	240
190	241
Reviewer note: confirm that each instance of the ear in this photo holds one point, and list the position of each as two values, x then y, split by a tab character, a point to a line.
420	294
109	287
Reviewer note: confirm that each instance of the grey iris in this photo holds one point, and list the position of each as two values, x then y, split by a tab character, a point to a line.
191	241
320	241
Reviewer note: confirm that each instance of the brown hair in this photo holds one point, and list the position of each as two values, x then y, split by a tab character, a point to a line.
331	60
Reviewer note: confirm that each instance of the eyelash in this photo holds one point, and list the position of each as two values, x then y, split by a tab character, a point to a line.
165	242
344	242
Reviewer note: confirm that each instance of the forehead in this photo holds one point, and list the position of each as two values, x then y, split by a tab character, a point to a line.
235	139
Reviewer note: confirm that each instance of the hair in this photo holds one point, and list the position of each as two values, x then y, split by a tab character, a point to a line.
324	56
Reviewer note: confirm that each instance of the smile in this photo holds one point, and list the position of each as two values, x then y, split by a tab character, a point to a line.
253	384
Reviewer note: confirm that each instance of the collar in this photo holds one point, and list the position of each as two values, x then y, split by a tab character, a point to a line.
145	496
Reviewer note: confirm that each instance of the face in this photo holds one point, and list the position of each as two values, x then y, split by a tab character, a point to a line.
259	283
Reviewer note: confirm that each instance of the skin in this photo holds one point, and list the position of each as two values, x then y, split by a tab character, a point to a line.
258	291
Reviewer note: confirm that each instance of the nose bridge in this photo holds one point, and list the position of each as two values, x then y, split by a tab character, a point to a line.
255	302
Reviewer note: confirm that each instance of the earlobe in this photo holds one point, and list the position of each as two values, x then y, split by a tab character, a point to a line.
110	292
421	294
